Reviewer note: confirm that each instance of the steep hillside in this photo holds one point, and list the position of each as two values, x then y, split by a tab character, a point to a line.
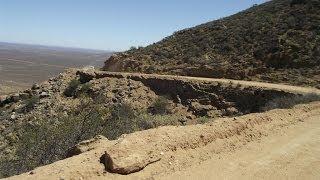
278	41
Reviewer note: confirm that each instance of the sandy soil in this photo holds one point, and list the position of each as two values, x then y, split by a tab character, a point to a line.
289	154
280	144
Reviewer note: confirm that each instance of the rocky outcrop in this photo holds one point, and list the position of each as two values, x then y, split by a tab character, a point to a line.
114	64
201	97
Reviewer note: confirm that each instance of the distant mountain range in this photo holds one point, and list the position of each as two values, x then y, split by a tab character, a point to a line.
8	45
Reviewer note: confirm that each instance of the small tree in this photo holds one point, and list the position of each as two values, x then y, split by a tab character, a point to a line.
133	48
160	106
72	88
122	121
31	103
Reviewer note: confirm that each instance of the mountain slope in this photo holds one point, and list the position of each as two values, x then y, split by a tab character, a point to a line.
278	41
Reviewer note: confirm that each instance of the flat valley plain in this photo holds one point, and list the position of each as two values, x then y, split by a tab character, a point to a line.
22	65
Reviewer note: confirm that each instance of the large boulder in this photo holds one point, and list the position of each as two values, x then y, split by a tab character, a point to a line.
200	109
127	164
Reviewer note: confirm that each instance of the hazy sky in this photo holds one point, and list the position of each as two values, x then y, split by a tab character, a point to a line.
106	24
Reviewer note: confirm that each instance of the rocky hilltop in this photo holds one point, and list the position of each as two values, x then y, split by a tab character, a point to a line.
277	41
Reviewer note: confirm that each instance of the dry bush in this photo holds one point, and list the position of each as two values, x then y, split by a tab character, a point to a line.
30	103
71	90
148	121
160	106
204	120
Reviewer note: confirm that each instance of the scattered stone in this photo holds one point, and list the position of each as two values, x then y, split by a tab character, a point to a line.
2	127
15	98
28	91
232	111
86	76
13	116
24	96
214	113
190	116
44	95
178	99
88	68
35	86
3	100
183	121
200	109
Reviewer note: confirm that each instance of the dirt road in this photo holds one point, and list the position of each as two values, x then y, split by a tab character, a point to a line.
270	86
292	154
279	144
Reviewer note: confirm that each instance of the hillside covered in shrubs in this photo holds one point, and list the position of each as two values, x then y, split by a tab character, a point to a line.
43	124
278	41
40	125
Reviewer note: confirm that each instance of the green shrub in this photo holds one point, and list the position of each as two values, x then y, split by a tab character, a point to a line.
72	88
295	2
160	106
132	48
122	111
30	103
122	121
48	140
147	121
2	111
204	120
85	88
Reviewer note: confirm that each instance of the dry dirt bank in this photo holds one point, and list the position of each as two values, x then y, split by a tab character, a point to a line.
281	144
244	84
